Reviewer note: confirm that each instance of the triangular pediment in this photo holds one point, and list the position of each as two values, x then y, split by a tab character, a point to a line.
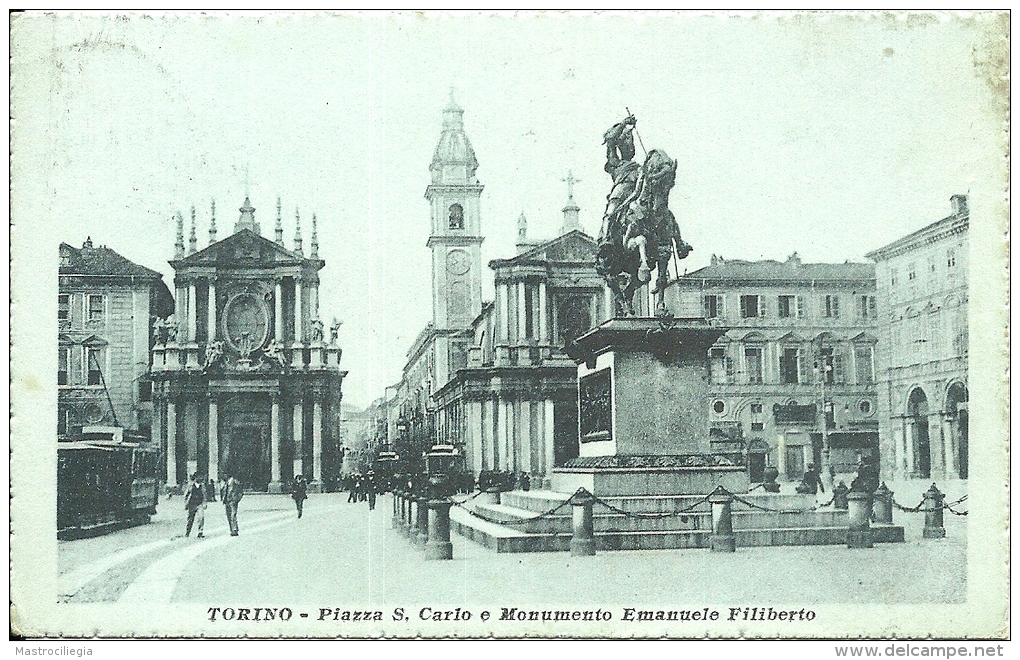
575	246
244	248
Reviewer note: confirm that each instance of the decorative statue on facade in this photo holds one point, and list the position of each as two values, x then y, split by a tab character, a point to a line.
158	330
334	331
639	232
273	351
212	354
171	329
317	332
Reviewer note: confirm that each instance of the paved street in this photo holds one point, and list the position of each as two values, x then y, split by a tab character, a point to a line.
343	553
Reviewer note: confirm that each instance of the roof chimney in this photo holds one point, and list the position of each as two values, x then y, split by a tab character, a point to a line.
959	203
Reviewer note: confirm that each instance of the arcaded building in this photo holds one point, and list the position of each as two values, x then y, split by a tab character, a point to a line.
922	359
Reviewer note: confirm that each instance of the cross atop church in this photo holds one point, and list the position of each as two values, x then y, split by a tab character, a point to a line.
570	181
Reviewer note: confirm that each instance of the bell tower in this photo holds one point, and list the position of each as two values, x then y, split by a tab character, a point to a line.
455	240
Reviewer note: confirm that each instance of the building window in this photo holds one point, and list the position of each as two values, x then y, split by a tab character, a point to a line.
791	306
893	277
64	308
831	307
911	272
713	306
63	364
826	361
951	258
96	307
756	408
93	358
867	307
864	360
757	426
145	390
719	406
752	358
751	306
721	366
789	366
932	265
865	407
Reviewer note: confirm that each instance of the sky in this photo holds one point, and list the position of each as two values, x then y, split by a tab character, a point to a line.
825	134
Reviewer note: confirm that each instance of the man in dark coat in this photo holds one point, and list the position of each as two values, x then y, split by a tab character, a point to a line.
812	481
194	503
299	491
370	489
231	495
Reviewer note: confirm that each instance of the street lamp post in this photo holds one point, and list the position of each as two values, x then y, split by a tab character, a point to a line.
822	370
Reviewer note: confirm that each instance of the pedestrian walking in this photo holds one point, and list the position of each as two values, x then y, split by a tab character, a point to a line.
370	490
194	503
231	494
352	482
299	491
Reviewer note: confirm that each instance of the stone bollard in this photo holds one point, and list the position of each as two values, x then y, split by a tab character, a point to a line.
858	534
490	496
882	507
722	538
839	495
423	521
438	545
582	544
933	514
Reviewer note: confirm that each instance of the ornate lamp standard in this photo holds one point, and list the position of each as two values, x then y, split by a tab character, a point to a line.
822	369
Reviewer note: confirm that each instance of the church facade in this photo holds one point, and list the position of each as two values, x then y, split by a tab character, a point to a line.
245	381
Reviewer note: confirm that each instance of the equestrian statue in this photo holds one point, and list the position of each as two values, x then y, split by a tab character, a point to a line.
639	233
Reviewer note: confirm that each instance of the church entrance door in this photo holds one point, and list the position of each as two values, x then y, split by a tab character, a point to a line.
245	443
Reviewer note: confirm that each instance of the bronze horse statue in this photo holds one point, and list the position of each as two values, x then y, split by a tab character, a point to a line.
639	232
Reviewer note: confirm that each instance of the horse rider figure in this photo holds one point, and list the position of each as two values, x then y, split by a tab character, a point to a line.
639	231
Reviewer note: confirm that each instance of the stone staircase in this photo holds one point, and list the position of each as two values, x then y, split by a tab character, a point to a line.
615	531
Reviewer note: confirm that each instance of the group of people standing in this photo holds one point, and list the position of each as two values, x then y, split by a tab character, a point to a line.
201	491
363	487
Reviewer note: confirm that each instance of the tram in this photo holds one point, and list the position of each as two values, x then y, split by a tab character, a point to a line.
105	481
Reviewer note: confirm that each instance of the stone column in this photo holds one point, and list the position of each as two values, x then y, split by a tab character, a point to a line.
525	423
298	334
278	311
192	312
503	329
214	444
191	424
609	303
909	429
781	455
317	440
522	313
171	444
949	445
543	314
299	436
156	432
489	435
549	440
212	311
274	447
477	439
505	442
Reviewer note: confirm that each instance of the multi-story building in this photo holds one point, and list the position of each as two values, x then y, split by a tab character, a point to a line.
104	306
795	371
246	382
922	294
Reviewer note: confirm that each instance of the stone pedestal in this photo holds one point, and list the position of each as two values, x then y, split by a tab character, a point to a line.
722	538
643	403
858	533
